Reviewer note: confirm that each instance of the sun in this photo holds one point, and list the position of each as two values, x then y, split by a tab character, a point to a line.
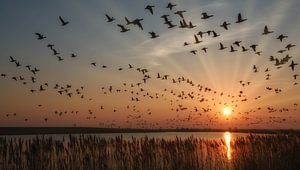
227	111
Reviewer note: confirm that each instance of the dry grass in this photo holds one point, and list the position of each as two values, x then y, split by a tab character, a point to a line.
90	152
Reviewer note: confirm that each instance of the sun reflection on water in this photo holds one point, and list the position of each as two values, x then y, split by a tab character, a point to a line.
227	137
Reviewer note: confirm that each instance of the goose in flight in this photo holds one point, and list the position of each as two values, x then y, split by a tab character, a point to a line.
240	19
206	16
55	52
200	33
59	58
292	65
135	22
193	52
191	25
253	47
267	31
232	49
244	49
222	47
289	46
63	22
196	39
215	34
42	88
150	8
153	34
180	13
40	36
237	43
109	18
281	37
73	55
183	24
170	6
12	60
170	25
255	68
225	25
123	29
185	44
50	46
165	17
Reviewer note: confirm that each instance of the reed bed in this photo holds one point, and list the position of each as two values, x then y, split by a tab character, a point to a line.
91	152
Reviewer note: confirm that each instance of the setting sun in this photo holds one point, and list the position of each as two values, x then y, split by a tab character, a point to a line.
227	111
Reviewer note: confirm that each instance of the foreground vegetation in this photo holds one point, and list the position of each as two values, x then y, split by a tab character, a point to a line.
90	152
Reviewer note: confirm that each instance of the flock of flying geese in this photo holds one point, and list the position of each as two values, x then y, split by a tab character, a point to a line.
205	96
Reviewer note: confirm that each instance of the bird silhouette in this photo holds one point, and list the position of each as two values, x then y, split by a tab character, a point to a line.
150	8
200	33
109	18
292	65
50	46
185	44
170	6
240	19
170	25
193	52
153	34
289	46
183	24
266	31
225	25
196	39
215	34
237	43
180	13
165	17
12	60
222	47
40	36
253	47
255	68
281	51
123	29
206	16
232	49
73	55
59	58
55	52
281	37
244	49
135	22
191	25
62	21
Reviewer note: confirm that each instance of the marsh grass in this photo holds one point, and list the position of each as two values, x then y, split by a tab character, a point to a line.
91	152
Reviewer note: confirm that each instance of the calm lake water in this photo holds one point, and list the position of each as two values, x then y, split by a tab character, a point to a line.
164	135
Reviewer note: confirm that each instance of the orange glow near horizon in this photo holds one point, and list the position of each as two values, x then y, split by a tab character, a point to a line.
227	137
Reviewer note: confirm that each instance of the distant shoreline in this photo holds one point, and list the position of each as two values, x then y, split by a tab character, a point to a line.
90	130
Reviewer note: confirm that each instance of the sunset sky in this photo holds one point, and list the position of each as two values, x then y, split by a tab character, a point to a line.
215	75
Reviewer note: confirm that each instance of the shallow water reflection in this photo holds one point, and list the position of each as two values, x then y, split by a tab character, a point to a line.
227	137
